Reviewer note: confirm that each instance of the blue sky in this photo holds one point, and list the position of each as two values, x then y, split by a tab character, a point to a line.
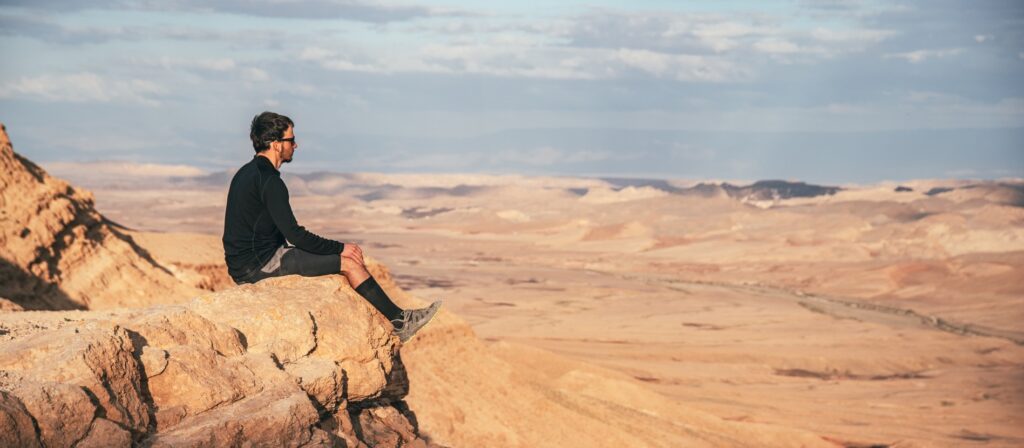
829	91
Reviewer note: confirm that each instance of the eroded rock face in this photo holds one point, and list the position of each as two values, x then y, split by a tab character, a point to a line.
16	426
58	252
290	361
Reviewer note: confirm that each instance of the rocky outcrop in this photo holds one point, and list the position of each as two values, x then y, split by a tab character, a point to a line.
290	361
58	252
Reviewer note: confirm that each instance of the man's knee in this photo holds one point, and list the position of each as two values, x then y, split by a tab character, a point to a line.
352	265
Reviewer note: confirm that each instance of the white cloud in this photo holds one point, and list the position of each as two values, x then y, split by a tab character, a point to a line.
118	169
724	36
679	67
980	38
169	63
776	46
918	56
531	61
252	74
84	87
860	36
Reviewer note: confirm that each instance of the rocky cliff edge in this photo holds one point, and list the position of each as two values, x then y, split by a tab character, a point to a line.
289	362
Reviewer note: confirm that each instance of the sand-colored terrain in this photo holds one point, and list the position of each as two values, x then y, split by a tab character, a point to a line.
678	312
158	349
868	316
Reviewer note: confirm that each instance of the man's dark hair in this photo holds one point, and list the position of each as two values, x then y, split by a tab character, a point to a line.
267	128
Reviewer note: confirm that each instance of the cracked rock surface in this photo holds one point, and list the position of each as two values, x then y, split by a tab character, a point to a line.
290	361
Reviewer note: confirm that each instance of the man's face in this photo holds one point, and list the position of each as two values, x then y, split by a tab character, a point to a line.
288	147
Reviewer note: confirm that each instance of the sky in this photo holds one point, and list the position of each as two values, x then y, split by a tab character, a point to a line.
827	91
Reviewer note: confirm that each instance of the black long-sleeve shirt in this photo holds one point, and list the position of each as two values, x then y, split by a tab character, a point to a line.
259	219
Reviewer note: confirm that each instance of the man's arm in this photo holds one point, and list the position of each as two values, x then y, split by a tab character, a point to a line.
275	196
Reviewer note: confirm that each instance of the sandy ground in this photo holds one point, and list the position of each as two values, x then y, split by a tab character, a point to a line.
871	317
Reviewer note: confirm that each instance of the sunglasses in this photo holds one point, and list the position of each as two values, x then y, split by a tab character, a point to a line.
289	139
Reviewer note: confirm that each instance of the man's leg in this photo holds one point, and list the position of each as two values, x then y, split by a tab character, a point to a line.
406	323
364	283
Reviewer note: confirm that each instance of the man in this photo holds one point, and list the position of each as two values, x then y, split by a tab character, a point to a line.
259	223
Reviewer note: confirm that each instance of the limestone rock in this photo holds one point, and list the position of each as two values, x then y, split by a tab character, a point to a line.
385	426
323	380
63	412
340	427
195	380
168	326
321	318
106	434
16	427
58	252
154	361
278	417
7	305
221	370
96	356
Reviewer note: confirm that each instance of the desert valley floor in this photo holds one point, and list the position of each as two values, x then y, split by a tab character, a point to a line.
871	315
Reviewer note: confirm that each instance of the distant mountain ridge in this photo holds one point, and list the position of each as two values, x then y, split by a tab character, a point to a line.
764	190
370	187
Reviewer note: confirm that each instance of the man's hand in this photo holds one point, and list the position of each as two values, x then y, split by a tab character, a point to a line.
352	251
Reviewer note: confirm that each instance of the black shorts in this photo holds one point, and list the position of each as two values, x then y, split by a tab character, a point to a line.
292	260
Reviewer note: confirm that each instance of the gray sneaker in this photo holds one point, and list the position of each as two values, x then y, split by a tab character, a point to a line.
412	320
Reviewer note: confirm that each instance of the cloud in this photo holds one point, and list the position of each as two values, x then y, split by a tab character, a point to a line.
852	36
539	62
725	35
207	69
53	32
361	11
681	67
981	38
252	74
665	32
119	169
776	46
58	32
735	35
83	87
919	56
204	64
831	5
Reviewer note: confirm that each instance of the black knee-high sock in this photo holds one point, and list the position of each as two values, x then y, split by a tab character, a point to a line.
374	294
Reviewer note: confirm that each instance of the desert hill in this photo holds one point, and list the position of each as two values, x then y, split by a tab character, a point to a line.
151	355
876	315
58	252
